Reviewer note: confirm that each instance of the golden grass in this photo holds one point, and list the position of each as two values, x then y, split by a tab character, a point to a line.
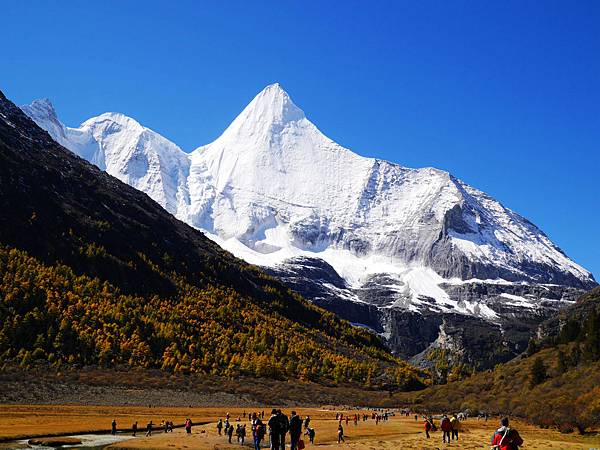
397	433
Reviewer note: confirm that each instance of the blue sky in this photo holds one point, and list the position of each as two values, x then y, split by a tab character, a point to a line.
503	94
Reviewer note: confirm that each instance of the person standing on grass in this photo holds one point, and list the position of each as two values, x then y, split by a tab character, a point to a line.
258	431
446	427
134	428
310	432
113	427
242	434
230	432
427	428
506	438
295	430
149	429
188	426
341	433
455	426
284	427
274	430
219	426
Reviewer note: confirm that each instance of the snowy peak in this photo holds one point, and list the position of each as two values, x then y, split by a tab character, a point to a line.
273	106
42	108
43	114
272	187
109	118
269	113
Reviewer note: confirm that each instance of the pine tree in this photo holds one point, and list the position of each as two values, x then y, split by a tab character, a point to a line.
538	372
591	341
561	365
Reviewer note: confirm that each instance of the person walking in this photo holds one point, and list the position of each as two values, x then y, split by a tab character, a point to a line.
284	427
274	424
427	428
230	433
258	431
455	426
295	430
113	427
242	434
505	438
306	421
341	433
149	429
134	428
446	427
310	432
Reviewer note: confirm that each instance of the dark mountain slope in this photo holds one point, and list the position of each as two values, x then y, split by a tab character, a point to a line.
93	271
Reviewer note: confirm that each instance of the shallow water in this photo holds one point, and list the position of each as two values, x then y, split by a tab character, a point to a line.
88	442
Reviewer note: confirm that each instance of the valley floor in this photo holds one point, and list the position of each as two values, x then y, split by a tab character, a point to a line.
24	421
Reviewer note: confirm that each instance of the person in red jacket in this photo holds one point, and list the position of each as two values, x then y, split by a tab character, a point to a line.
506	438
427	427
446	427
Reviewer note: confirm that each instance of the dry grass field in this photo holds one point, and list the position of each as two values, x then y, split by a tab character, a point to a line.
397	433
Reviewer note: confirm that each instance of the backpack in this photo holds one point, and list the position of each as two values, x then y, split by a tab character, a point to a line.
499	446
260	429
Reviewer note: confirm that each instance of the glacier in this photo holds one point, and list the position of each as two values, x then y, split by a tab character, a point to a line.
276	192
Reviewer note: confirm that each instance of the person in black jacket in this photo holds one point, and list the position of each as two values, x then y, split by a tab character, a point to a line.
295	430
274	424
284	427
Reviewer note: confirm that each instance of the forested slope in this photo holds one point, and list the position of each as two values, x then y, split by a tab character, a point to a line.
557	383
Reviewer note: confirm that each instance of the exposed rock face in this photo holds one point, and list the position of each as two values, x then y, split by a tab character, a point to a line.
382	305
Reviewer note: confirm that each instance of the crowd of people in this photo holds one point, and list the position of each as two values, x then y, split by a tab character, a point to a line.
279	426
166	425
276	429
504	438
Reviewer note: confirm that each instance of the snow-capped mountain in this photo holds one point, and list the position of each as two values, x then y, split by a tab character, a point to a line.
277	192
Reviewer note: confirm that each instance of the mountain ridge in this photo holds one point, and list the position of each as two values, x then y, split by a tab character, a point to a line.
274	190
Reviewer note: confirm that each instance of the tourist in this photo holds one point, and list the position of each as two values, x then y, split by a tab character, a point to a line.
113	427
230	432
446	427
258	431
149	429
427	428
134	428
295	426
242	434
274	424
310	432
219	426
284	427
455	426
340	434
188	426
506	438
